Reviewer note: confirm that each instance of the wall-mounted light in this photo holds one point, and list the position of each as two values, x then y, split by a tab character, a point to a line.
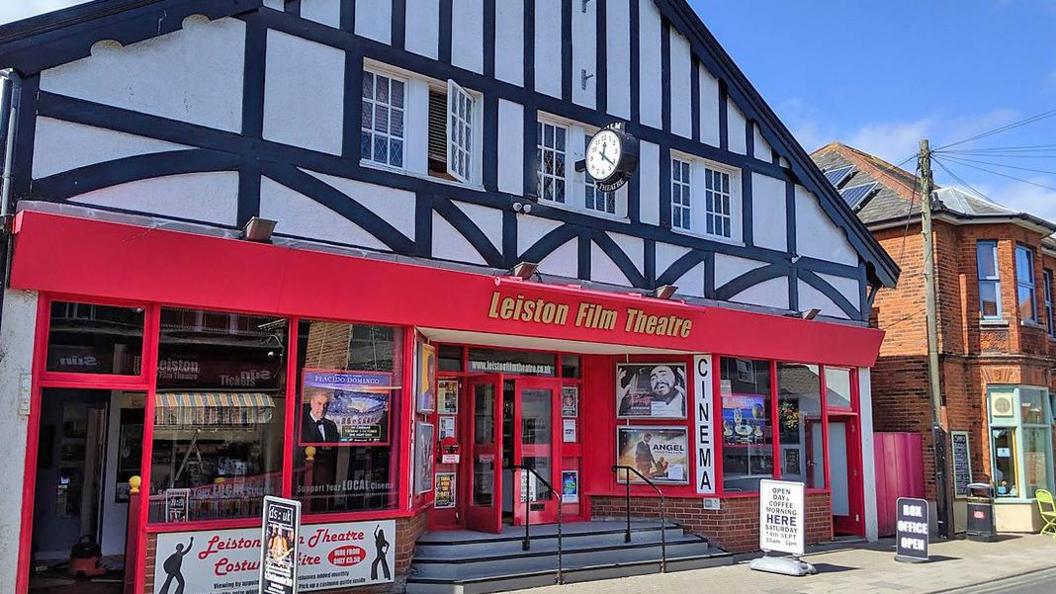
258	229
664	291
524	270
810	314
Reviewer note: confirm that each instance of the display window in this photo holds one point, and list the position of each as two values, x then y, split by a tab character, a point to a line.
94	339
747	431
1021	451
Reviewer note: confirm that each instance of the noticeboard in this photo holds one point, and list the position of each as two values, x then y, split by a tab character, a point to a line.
962	463
911	532
279	542
782	517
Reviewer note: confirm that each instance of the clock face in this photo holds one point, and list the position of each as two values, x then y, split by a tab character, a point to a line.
603	155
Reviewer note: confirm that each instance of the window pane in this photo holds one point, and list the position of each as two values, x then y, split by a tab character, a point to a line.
1032	406
85	338
1036	451
988	299
219	414
987	264
799	422
837	387
1004	448
1026	303
343	457
1024	265
747	435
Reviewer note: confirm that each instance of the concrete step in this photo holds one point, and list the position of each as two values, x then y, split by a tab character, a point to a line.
513	546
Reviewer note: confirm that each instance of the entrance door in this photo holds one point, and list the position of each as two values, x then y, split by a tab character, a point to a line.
484	512
537	439
846	475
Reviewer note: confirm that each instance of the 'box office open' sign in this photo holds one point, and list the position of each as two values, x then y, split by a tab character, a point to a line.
911	540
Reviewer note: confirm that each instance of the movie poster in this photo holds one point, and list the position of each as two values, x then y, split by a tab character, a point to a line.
345	407
279	532
660	453
447	396
426	378
444	494
569	486
745	419
424	441
651	391
569	401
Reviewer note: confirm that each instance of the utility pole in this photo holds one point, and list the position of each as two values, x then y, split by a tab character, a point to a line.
938	435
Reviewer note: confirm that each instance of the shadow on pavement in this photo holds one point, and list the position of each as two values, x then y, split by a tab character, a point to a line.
830	568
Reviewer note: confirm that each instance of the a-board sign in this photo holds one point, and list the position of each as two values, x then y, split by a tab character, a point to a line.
280	530
911	532
782	517
962	463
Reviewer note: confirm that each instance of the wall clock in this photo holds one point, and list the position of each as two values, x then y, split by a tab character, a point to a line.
611	157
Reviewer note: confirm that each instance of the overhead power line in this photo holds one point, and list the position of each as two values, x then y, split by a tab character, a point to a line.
1017	124
998	173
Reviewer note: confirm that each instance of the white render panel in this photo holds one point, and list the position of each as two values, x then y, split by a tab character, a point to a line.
509	41
422	32
511	147
709	107
530	229
816	235
467	34
865	407
489	220
17	332
736	129
681	85
634	247
603	269
327	12
848	287
584	54
396	207
769	219
667	254
374	19
771	293
728	268
548	47
298	68
61	146
692	282
650	93
762	150
563	261
301	216
809	298
449	244
649	183
193	75
279	5
205	197
618	59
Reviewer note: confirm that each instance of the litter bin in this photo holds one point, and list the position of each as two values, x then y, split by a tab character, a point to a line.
981	512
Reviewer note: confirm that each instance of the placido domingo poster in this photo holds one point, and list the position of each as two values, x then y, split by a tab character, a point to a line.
651	391
660	453
345	407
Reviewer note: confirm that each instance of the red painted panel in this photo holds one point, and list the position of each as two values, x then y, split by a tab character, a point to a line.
899	473
103	259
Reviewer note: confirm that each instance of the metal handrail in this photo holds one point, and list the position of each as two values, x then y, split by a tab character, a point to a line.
527	542
663	510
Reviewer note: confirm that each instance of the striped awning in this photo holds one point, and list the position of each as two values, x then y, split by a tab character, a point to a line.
212	408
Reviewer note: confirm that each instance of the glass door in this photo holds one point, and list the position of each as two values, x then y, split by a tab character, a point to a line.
484	512
537	446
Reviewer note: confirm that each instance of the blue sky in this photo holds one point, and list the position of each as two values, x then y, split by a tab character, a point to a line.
881	74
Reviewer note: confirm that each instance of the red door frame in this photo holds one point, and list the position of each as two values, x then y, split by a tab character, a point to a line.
547	514
484	518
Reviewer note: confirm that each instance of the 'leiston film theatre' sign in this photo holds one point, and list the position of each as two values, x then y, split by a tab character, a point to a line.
329	556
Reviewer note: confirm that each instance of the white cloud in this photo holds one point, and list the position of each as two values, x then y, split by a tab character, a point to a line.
13	10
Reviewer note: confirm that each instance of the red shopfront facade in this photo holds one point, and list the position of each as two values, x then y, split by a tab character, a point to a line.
553	377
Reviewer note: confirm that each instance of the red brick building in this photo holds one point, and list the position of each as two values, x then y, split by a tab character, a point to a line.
997	340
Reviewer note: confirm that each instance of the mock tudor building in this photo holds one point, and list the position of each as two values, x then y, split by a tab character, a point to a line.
997	337
343	252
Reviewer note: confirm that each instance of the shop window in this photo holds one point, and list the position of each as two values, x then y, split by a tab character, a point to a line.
837	387
1036	459
1021	433
800	424
989	279
218	415
87	338
1025	285
1004	449
747	450
346	455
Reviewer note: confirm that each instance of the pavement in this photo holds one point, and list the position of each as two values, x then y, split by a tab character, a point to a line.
1022	564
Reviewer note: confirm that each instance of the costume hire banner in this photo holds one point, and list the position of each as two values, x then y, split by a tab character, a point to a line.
329	556
660	453
345	407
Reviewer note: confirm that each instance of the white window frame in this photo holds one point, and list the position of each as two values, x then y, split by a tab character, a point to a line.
416	127
698	203
577	184
995	280
682	204
388	134
460	116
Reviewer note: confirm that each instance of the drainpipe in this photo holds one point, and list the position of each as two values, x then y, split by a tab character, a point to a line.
12	111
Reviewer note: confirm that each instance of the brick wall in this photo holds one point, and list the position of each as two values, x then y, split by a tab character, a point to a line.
735	527
408	530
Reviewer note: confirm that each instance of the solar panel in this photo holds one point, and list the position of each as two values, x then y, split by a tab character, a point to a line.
854	195
838	175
